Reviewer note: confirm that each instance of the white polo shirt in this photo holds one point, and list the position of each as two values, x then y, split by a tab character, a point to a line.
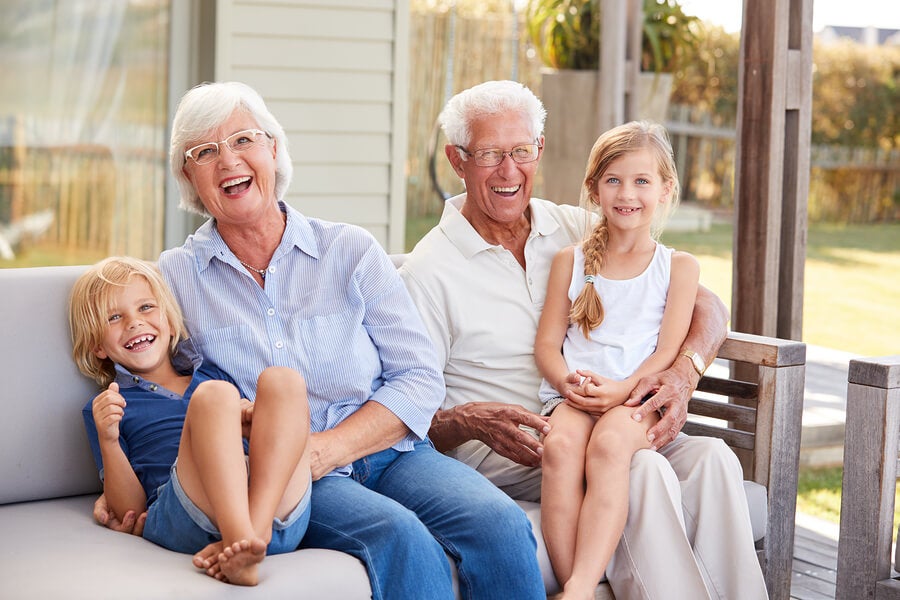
481	308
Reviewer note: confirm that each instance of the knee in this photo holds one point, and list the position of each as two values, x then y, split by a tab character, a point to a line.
215	395
561	445
281	378
711	453
610	444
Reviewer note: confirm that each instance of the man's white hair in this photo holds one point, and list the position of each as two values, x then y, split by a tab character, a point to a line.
489	99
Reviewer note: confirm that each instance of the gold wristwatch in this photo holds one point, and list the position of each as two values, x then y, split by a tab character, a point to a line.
696	360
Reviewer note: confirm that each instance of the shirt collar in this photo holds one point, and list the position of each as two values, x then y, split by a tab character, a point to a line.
461	233
207	242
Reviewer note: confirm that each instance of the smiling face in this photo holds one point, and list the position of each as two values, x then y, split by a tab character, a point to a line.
138	334
496	196
237	187
630	190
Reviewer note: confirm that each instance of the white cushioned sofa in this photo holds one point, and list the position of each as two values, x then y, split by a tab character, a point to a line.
50	546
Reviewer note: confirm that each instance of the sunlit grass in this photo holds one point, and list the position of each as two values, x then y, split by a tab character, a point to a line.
851	288
819	494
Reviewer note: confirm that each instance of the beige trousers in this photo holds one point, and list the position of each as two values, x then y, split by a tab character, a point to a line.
688	533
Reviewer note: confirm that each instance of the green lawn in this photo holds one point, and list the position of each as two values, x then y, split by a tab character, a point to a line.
852	290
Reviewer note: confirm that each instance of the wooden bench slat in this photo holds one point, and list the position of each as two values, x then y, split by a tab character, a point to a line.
743	416
732	437
729	387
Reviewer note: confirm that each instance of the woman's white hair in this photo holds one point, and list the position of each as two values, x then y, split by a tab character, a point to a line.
489	99
202	110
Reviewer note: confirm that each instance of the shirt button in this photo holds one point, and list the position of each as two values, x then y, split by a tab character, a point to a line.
270	312
273	269
153	387
279	345
136	379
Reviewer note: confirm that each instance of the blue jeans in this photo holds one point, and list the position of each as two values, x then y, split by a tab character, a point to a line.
401	511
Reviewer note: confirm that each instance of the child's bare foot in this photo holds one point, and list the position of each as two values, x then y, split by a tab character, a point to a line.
239	562
209	556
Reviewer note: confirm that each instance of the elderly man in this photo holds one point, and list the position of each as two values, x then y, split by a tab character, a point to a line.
479	280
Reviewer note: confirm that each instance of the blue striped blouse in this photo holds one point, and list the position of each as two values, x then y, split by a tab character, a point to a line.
333	308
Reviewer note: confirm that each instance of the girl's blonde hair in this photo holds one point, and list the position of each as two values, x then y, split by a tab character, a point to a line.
587	309
92	298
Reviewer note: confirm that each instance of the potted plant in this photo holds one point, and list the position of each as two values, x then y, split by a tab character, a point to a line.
566	38
566	34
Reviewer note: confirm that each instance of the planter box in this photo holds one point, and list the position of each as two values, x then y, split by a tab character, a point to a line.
571	100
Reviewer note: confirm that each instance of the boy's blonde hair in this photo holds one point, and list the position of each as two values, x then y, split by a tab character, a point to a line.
587	309
92	298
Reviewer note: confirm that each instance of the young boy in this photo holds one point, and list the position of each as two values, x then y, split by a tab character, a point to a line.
162	403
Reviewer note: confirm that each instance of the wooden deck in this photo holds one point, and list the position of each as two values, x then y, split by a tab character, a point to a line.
815	564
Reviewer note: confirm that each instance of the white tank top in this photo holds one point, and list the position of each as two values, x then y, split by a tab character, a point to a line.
630	329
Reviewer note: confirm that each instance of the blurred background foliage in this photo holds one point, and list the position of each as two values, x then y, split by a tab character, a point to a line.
855	117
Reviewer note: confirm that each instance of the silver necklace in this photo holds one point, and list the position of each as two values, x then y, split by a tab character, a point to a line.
260	272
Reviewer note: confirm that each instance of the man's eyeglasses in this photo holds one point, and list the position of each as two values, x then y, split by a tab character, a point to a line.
237	142
491	157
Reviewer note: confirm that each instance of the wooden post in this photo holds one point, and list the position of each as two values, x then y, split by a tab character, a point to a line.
611	84
870	477
772	167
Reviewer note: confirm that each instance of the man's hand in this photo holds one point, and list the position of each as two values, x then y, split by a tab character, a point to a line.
500	427
671	390
131	523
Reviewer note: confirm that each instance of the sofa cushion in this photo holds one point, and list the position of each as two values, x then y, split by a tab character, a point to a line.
53	549
45	449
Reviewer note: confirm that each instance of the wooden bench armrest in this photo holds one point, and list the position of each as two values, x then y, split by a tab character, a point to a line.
763	422
869	480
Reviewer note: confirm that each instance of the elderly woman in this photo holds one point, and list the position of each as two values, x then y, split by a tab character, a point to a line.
261	285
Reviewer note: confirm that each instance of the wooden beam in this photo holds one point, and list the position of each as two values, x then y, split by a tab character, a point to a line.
611	85
772	167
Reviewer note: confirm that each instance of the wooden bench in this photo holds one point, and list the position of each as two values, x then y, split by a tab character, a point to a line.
870	476
757	410
759	407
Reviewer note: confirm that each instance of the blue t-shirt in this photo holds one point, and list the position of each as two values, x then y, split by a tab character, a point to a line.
150	431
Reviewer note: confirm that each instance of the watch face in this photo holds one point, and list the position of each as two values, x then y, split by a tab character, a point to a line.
698	363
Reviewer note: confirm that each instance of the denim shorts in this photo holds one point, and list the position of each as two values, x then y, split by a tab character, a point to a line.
174	522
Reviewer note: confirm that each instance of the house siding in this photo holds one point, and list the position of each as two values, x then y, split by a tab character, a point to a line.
334	73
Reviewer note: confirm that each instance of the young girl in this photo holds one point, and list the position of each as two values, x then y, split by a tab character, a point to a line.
619	306
162	402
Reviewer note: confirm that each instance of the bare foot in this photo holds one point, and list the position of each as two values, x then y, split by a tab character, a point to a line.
239	562
209	556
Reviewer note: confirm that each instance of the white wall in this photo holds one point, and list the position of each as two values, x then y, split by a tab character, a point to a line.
334	73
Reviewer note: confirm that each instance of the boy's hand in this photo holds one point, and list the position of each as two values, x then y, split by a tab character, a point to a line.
246	417
108	409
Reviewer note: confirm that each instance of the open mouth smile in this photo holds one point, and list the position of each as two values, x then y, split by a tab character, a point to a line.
236	185
141	342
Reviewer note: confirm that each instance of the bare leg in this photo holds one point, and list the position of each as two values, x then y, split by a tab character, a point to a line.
279	467
562	485
614	440
279	461
212	470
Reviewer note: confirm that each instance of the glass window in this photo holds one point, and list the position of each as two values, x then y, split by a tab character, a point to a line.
83	111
